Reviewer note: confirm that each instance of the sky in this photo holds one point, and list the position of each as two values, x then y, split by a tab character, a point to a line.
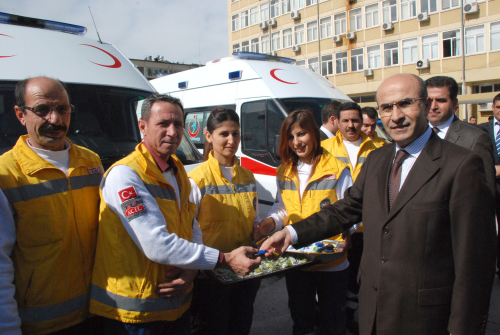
188	31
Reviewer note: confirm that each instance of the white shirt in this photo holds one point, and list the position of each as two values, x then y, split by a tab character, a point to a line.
327	132
149	231
496	127
443	128
60	159
353	150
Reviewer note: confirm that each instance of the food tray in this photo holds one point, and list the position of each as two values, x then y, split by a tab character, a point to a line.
214	275
322	257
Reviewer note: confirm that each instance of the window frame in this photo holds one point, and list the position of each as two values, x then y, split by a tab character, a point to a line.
273	40
301	63
422	46
329	65
286	4
458	38
409	9
314	60
242	17
312	26
262	9
390	7
255	45
235	21
344	62
475	39
392	49
290	35
299	28
371	52
429	7
276	5
492	31
451	5
411	50
255	15
298	2
377	16
236	47
312	3
357	56
263	39
357	18
340	20
323	24
245	46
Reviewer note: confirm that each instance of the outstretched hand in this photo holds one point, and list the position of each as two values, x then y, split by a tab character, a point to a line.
263	228
239	262
278	243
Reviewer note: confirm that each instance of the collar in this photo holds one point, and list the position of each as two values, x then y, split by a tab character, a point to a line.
444	127
162	165
416	147
327	132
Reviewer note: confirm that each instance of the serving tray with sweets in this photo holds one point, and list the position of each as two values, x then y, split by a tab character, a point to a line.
323	251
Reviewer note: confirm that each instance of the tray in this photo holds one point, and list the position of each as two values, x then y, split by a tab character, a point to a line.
322	257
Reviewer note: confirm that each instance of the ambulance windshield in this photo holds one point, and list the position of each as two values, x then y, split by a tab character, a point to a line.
315	105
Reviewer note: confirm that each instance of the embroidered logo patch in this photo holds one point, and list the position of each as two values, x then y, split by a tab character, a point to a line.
324	203
128	193
330	177
133	208
254	201
95	170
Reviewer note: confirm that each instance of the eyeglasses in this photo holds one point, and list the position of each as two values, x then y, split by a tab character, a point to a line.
44	110
386	109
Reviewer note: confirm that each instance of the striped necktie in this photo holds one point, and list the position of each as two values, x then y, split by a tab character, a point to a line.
497	138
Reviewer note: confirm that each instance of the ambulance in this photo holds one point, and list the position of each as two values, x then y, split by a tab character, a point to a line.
263	90
104	86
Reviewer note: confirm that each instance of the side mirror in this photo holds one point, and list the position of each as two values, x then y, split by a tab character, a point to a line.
276	148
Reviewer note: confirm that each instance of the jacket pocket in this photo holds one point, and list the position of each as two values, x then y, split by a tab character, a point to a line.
435	296
429	206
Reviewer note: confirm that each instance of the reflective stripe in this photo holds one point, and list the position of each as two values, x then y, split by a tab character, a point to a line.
344	160
29	192
212	189
287	185
241	188
134	304
361	160
46	313
90	180
160	192
319	185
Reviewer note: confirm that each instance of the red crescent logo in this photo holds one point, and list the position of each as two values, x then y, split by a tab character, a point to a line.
117	63
195	132
7	56
278	79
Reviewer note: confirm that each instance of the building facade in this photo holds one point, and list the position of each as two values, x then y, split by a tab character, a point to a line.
157	67
357	44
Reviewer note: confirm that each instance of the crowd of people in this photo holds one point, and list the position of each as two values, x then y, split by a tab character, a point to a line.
122	251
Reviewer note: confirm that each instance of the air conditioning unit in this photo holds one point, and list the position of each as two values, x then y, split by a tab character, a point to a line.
296	48
423	17
387	26
295	15
350	36
368	72
470	8
273	53
272	22
423	64
485	106
337	38
263	25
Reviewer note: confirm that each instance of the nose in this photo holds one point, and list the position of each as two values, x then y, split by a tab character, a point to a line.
54	117
434	105
296	141
171	131
397	115
350	124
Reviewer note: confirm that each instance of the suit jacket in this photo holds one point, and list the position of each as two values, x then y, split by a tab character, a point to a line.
489	127
323	135
428	263
476	139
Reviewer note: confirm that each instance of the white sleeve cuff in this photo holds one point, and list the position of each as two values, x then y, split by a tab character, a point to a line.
292	231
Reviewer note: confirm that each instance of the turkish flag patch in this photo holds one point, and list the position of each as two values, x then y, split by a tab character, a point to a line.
329	177
133	208
95	170
127	194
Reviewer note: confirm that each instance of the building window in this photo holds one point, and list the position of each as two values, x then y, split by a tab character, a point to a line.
410	51
275	40
254	16
310	2
372	18
275	8
327	65
341	62
298	4
254	46
264	44
301	63
233	1
287	38
264	12
312	31
245	46
340	23
326	27
391	53
430	49
320	1
390	10
236	47
474	39
286	6
236	22
485	88
449	4
299	34
373	54
429	6
357	60
355	20
495	36
451	43
313	64
408	9
244	19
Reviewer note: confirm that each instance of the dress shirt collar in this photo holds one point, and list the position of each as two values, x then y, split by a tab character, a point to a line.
327	132
443	128
162	165
416	147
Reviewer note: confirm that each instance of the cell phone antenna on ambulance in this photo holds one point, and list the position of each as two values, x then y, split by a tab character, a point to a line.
262	89
103	85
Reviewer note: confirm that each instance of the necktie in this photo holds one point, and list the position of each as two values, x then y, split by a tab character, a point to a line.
497	138
395	176
436	129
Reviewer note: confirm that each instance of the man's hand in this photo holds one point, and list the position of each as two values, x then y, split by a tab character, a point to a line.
264	228
346	236
279	242
497	170
238	261
181	279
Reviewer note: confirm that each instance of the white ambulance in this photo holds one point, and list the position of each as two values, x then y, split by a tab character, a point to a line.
262	89
104	86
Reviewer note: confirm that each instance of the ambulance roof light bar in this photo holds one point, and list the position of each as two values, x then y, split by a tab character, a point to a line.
25	21
259	56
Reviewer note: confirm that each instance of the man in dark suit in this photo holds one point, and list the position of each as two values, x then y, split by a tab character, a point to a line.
428	263
442	93
330	121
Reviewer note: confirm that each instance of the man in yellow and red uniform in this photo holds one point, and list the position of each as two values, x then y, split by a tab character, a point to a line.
351	146
48	218
369	126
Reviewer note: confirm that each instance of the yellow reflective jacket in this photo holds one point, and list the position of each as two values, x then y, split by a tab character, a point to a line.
319	192
56	228
125	281
379	142
227	208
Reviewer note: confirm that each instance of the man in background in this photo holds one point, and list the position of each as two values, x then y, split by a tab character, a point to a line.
330	121
369	127
473	120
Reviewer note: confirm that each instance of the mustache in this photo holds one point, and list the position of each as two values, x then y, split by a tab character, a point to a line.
49	127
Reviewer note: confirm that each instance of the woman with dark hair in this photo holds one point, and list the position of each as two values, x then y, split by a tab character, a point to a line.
308	179
226	197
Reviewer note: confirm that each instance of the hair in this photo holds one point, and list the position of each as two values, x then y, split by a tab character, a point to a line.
371	112
422	92
20	90
218	115
348	106
158	97
472	117
490	118
329	110
443	81
496	98
305	119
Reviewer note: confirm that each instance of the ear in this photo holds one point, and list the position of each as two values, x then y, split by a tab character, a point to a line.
332	119
20	115
427	106
143	126
208	137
